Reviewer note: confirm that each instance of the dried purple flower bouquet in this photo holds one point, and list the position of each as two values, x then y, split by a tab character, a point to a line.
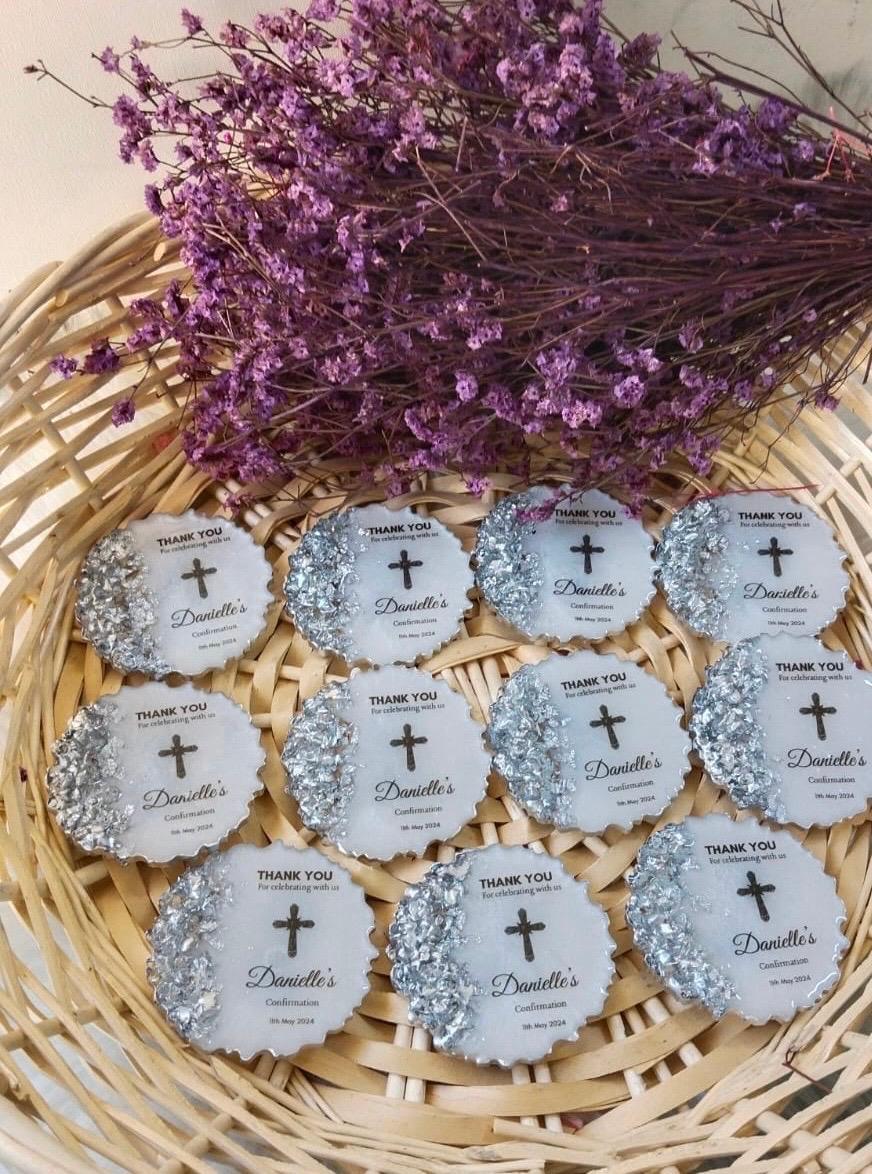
449	234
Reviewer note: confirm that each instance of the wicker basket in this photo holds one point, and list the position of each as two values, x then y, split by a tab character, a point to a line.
652	1085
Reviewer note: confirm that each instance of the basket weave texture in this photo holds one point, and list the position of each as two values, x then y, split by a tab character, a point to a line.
651	1085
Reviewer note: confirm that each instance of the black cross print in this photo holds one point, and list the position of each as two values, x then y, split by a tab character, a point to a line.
292	923
607	722
525	928
774	551
405	565
818	712
199	573
177	751
409	742
587	550
756	891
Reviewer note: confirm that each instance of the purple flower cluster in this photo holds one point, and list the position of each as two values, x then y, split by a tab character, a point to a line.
459	231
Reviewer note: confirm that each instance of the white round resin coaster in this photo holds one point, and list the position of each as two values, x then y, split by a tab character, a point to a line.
386	762
501	953
751	564
378	585
737	917
588	741
155	773
784	725
584	570
261	950
173	593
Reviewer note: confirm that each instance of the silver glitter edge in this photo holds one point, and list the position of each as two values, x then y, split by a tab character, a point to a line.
115	606
509	578
318	757
318	585
693	569
181	969
727	734
85	784
657	915
531	749
423	938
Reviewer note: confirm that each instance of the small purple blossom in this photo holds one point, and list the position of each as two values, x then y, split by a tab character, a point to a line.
582	413
100	359
323	10
484	333
640	52
466	386
64	365
629	392
153	200
690	336
774	117
192	24
110	60
123	412
233	35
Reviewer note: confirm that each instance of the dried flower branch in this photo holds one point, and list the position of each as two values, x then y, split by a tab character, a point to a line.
459	229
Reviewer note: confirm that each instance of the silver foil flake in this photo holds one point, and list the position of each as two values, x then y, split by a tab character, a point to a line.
115	606
657	913
423	939
693	566
84	785
181	969
726	730
318	586
319	759
509	578
531	749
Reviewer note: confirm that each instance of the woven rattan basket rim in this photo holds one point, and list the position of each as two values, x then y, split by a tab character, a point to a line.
652	1085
